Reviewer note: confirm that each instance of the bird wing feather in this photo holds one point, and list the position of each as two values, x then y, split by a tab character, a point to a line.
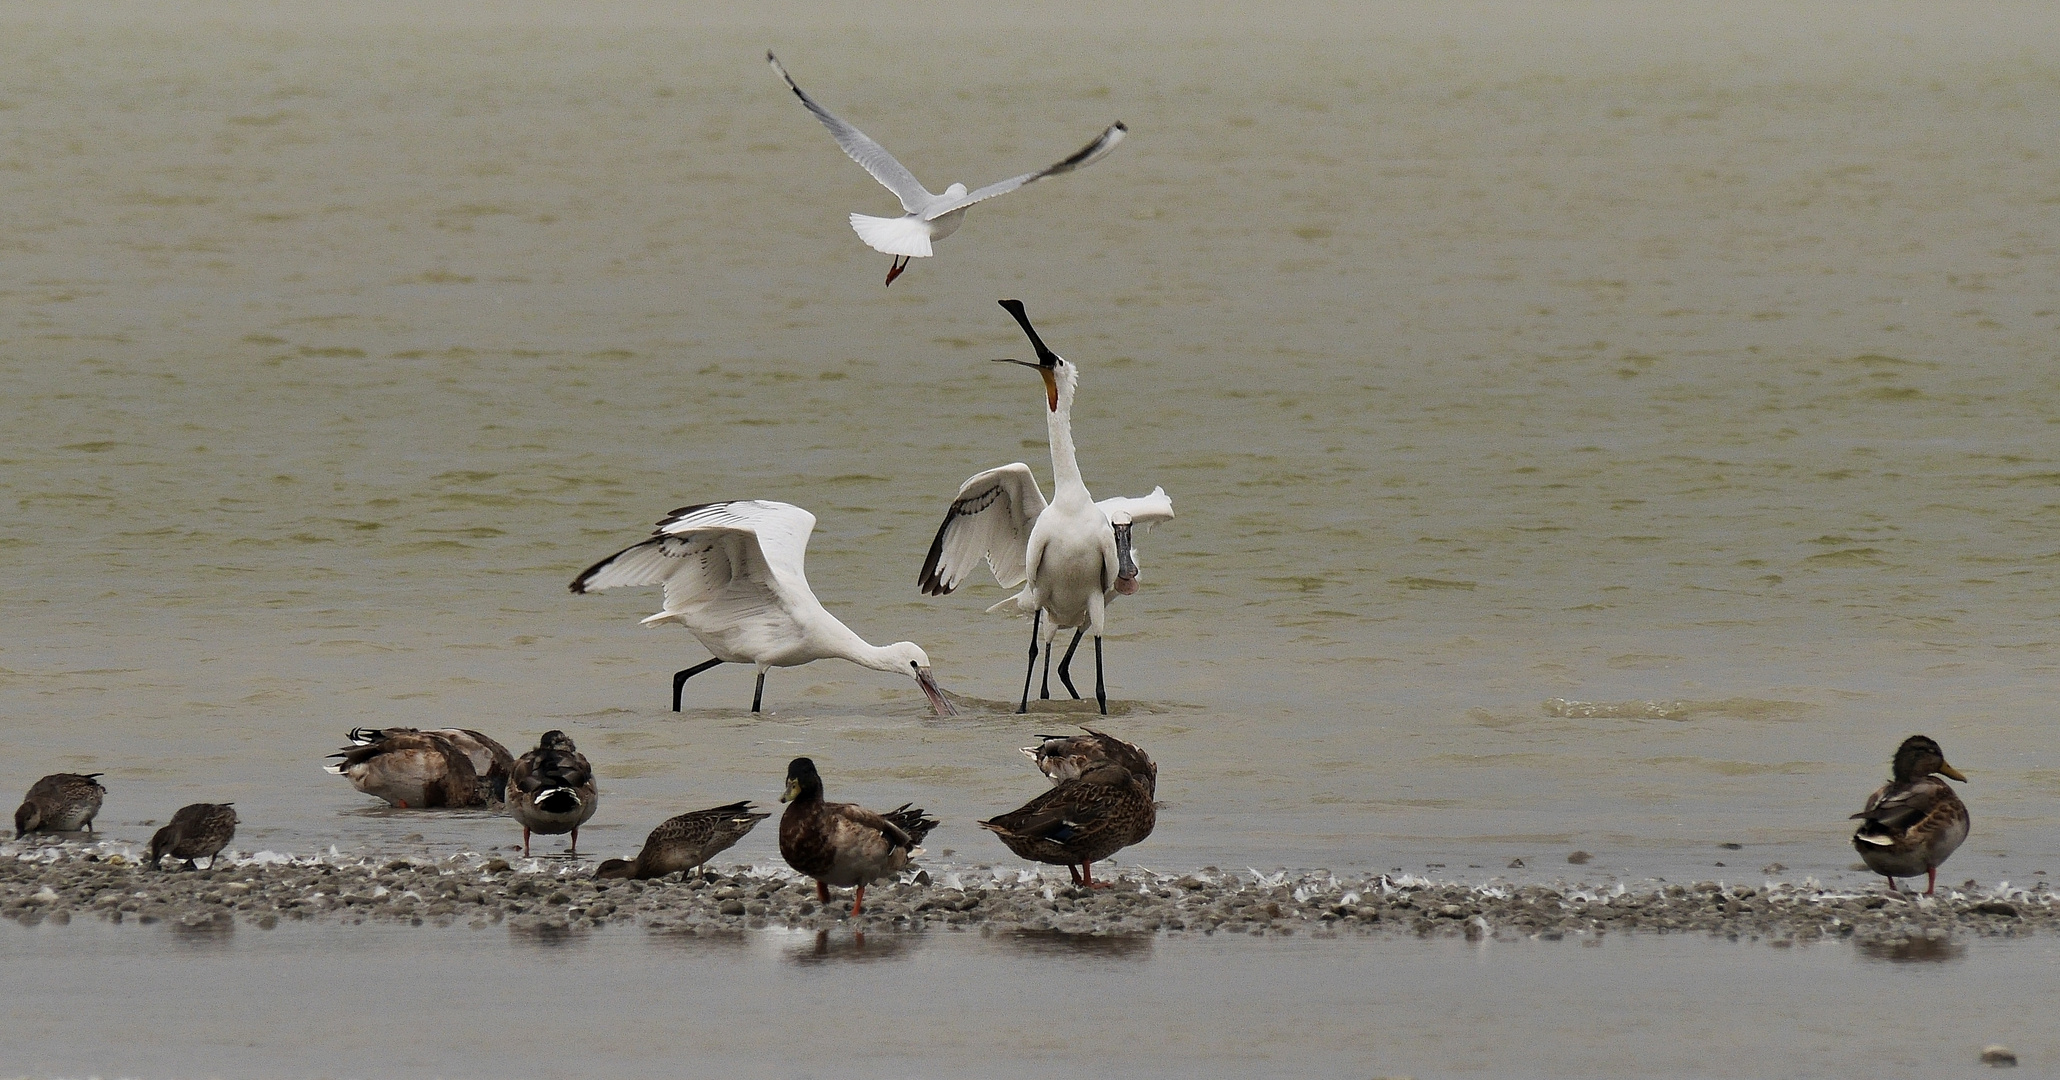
1085	156
1147	511
990	520
891	174
738	567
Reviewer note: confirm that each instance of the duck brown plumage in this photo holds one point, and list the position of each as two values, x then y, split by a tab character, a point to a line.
1104	807
844	844
197	831
686	842
551	790
1913	822
1064	757
411	769
60	802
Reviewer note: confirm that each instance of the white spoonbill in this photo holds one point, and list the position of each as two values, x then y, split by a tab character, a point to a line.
1074	553
732	576
928	217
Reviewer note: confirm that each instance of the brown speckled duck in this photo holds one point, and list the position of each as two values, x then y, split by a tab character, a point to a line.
198	831
60	802
844	844
552	790
1913	822
1063	757
686	842
1103	807
417	770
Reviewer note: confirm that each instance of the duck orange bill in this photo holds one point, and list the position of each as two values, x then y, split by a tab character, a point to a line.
935	693
1948	770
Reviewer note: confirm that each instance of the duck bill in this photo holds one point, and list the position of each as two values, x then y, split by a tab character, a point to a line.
793	790
1947	770
1126	565
932	691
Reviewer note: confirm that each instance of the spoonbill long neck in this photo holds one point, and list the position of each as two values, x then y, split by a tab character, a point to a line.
1065	466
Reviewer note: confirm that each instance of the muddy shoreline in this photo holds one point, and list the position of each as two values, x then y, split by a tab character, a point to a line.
59	885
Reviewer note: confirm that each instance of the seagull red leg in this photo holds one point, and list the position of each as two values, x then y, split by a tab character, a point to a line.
900	264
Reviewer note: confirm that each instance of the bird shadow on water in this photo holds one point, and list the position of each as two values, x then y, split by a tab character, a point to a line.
1913	950
1054	944
827	947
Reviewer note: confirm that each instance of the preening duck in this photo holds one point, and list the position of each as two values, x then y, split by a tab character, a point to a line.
414	769
1105	808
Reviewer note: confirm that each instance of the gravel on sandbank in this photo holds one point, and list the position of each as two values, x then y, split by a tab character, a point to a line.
60	883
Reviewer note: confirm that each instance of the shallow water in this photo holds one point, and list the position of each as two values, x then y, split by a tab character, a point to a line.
368	1000
1493	355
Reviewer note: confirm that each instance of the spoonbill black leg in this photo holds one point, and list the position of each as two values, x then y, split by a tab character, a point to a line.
1066	664
758	695
679	680
1036	620
1101	696
1044	691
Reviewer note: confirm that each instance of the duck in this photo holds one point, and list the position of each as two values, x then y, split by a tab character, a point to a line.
551	790
198	831
60	802
1065	757
1914	822
686	843
1088	817
844	844
413	769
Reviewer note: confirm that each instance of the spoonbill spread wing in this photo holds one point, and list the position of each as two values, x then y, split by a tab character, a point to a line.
1147	511
990	520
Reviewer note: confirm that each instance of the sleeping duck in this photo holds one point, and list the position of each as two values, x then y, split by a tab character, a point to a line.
60	802
844	844
1103	808
686	842
551	790
198	831
411	769
1913	822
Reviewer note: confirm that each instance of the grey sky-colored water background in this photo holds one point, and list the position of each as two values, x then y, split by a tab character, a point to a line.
1592	426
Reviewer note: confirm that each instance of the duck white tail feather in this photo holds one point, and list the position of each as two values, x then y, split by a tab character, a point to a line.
894	236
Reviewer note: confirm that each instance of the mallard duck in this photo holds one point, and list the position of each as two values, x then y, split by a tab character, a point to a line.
411	769
198	830
686	842
1064	757
844	844
1913	822
1103	809
60	802
551	790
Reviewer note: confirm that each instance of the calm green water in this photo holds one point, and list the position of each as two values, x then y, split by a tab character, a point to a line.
1492	354
361	1001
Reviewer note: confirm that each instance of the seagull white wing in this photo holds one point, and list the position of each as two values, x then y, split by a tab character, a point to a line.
1086	156
725	566
1147	511
891	174
990	520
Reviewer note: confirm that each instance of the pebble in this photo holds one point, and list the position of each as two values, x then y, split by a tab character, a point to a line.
57	884
1999	1056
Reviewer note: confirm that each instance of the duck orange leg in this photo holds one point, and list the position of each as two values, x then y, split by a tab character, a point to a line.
1931	883
1087	876
525	841
858	901
574	849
